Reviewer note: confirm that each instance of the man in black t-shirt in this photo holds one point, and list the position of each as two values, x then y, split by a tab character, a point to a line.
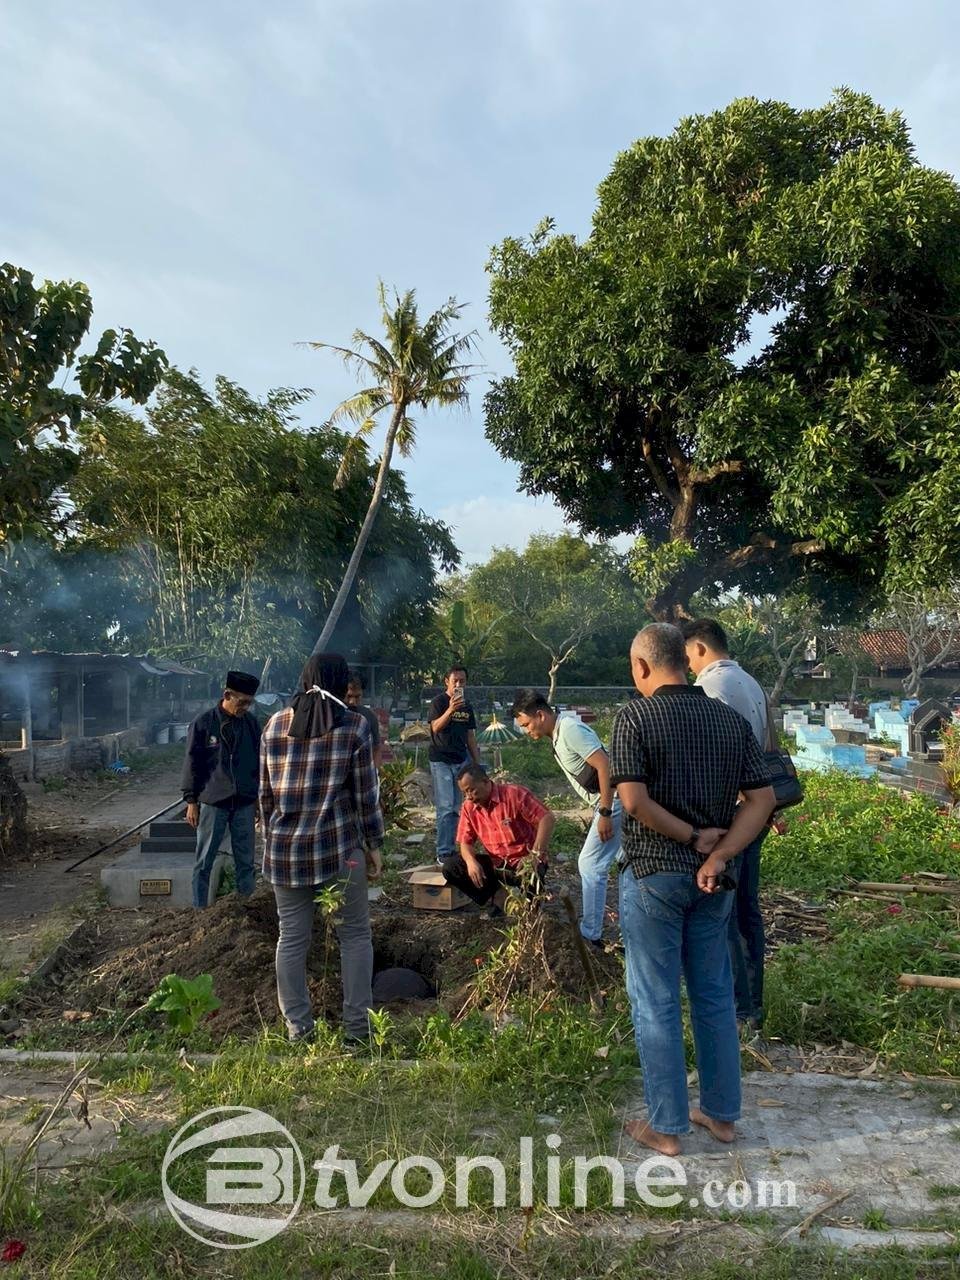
355	692
453	743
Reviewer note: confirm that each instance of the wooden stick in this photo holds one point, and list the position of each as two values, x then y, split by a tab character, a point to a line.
929	980
872	897
596	998
108	796
801	1228
879	886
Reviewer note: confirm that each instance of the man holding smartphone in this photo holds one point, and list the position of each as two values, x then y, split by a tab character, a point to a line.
453	743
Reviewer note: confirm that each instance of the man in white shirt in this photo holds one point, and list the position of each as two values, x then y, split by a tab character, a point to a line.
586	766
720	677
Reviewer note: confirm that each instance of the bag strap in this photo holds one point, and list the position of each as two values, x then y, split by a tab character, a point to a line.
772	743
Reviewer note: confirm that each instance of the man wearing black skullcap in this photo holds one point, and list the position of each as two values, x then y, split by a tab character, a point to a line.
221	778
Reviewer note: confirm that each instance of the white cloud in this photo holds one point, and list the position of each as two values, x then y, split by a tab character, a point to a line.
480	524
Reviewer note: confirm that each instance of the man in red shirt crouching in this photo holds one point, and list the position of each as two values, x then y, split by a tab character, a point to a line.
510	823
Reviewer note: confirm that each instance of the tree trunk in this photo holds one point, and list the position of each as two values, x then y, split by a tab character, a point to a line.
911	684
551	692
336	609
240	619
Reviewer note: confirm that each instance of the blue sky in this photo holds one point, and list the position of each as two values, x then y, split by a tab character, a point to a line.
230	179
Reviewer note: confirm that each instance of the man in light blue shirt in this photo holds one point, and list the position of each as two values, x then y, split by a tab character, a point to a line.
586	766
720	677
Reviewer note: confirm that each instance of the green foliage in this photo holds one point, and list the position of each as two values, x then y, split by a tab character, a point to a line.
771	634
653	568
41	330
563	601
471	633
210	528
752	354
845	987
393	797
185	1001
531	762
950	737
853	827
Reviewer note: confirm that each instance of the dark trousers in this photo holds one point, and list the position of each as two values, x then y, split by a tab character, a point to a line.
746	935
455	873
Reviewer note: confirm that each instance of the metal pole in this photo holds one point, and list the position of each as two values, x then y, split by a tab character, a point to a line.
27	729
116	840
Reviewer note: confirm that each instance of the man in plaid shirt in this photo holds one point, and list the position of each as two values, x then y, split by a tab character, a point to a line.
320	807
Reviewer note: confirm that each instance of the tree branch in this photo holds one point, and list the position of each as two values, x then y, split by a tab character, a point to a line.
657	472
705	475
762	544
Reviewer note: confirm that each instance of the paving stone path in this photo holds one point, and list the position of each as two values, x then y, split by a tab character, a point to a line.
889	1148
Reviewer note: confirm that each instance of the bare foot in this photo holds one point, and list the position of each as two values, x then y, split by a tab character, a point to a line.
666	1143
722	1130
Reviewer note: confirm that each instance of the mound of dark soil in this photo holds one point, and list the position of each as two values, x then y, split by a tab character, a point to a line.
126	954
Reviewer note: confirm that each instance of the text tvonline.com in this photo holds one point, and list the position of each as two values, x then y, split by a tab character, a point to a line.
418	1181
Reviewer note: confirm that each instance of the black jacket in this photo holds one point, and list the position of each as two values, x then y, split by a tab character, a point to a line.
222	761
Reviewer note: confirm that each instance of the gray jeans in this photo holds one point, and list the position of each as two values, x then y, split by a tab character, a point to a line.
295	909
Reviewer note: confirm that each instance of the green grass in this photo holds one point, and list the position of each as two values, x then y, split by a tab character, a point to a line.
82	1247
846	988
855	828
476	1089
531	762
939	1191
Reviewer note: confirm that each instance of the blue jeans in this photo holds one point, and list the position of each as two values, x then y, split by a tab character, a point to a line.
671	928
211	829
447	798
594	866
746	937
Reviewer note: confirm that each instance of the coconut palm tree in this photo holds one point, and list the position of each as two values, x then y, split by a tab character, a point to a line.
414	366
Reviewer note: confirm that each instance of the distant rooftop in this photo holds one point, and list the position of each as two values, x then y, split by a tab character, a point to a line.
888	648
147	662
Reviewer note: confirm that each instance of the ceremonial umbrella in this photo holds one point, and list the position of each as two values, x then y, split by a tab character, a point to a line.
416	733
496	734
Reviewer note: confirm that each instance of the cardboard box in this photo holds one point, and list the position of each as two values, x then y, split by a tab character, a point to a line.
432	893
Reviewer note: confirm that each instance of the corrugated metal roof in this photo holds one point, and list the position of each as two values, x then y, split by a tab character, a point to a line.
152	665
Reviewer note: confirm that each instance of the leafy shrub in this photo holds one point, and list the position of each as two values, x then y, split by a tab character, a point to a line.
950	737
393	797
185	1001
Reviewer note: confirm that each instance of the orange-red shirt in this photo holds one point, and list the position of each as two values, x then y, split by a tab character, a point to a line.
506	825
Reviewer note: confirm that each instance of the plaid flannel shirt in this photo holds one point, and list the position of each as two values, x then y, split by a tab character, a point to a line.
319	800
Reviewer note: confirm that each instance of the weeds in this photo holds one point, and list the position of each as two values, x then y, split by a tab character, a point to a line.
854	828
845	988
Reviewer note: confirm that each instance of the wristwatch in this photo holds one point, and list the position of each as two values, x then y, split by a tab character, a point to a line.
694	837
605	813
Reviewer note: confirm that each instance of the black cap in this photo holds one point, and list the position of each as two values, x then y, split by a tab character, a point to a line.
240	682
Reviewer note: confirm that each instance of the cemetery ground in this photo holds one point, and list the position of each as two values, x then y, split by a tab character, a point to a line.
851	1092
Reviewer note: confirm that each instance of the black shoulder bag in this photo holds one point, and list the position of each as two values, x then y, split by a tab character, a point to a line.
782	770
